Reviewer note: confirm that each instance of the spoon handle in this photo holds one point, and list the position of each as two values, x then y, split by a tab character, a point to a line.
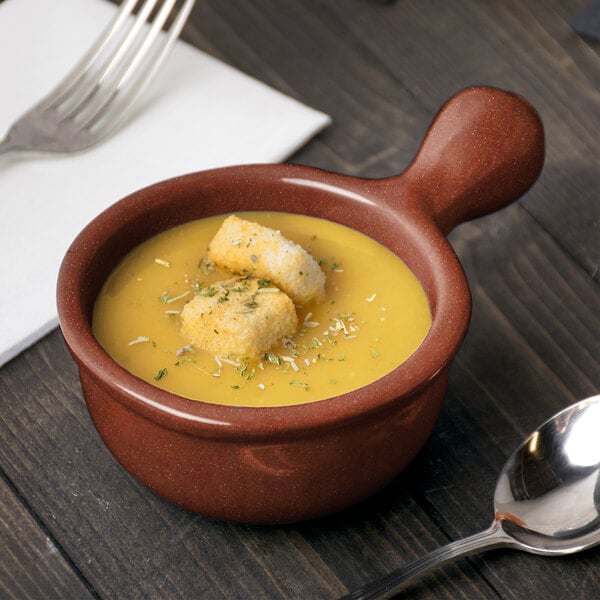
391	584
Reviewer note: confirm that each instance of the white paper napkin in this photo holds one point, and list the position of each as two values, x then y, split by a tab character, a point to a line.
199	113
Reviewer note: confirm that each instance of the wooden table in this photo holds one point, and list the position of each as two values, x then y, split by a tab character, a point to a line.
73	523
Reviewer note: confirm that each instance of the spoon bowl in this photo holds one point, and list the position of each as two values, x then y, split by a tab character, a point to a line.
548	493
547	499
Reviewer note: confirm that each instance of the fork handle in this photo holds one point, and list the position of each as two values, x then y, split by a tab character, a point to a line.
387	586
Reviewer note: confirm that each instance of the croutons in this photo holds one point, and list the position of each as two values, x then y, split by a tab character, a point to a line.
238	318
246	247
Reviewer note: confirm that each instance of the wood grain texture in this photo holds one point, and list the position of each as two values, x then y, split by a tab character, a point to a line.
31	564
381	70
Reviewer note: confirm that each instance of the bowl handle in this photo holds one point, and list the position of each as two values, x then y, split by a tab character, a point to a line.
484	149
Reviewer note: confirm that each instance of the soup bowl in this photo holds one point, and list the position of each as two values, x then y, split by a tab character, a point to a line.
483	150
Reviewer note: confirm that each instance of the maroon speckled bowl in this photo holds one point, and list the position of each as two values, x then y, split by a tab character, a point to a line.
271	465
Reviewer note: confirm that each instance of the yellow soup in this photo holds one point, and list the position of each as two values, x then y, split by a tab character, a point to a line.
373	317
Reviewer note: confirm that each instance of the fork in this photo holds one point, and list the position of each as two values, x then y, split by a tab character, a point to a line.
95	97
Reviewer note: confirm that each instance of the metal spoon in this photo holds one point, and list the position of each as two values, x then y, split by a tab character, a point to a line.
547	499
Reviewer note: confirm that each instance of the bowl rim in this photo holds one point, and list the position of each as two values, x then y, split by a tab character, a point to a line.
450	317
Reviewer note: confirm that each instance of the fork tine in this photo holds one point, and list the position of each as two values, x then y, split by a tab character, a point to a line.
142	18
109	111
44	127
100	69
63	89
148	41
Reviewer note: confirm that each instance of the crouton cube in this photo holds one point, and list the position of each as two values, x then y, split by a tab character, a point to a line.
238	318
247	247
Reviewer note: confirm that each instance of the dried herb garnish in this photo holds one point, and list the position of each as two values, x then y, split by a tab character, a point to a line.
161	374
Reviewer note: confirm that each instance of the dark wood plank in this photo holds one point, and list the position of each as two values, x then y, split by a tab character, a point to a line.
32	566
547	63
306	51
546	310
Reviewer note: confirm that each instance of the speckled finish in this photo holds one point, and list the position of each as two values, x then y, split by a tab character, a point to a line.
271	465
